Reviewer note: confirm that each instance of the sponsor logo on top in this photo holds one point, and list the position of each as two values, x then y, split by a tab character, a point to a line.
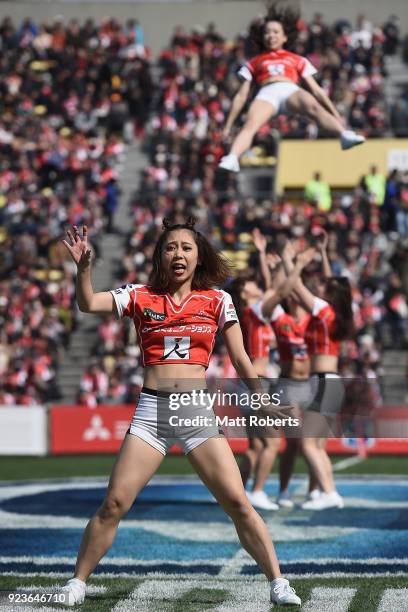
156	316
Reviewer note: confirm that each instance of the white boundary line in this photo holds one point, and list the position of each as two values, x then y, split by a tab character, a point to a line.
40	560
161	479
328	598
201	577
393	599
345	463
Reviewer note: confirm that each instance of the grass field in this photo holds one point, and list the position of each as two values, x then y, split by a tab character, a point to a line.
199	594
176	551
68	466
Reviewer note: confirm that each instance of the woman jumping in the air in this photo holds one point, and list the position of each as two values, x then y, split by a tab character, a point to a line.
277	72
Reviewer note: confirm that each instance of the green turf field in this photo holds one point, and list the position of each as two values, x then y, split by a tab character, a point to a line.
68	466
200	594
360	591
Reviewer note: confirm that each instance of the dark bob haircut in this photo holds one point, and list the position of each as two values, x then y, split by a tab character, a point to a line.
288	16
213	269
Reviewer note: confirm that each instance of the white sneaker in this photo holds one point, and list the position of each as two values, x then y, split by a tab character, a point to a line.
283	594
324	501
340	500
259	499
283	500
74	592
313	494
229	162
350	139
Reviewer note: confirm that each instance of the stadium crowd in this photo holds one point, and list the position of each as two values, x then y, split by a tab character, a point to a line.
70	96
66	93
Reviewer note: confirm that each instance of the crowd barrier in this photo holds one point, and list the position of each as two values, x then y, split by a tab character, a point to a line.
61	430
23	430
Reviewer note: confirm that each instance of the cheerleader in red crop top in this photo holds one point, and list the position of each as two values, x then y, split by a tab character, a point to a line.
289	325
257	333
176	315
277	72
331	322
254	307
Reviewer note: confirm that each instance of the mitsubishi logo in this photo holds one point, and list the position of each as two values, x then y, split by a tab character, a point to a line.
96	430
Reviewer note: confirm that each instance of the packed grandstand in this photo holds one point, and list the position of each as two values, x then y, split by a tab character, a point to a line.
72	96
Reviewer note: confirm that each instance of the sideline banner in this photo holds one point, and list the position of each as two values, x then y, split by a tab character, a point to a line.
75	429
23	430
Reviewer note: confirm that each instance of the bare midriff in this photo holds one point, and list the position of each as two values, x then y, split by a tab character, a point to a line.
175	377
296	369
278	79
324	363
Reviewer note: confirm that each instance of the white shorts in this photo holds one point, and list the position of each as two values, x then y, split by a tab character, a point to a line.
150	422
277	94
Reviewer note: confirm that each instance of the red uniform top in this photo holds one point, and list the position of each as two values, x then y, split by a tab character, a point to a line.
320	330
290	335
274	64
171	333
257	333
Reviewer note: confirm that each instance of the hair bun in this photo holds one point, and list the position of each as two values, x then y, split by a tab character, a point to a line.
168	225
190	222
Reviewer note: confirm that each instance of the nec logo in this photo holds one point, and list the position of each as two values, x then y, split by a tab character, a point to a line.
156	316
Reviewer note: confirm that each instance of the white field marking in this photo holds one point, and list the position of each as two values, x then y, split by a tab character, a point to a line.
182	530
205	532
345	463
186	479
394	599
323	599
92	589
150	594
25	608
8	492
362	479
153	594
358	502
121	561
200	577
234	565
246	595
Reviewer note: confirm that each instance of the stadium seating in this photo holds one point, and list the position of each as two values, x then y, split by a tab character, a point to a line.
65	103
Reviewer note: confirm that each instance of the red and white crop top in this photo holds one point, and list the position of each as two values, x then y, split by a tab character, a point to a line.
257	332
171	333
290	335
282	63
320	330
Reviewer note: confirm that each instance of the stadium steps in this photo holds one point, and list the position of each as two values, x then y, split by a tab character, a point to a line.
394	381
75	360
397	77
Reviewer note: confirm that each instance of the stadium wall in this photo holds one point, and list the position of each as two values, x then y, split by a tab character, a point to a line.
61	430
23	430
160	17
299	159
